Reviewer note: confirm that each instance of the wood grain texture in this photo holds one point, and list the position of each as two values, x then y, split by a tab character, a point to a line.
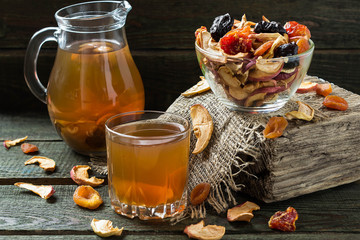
165	75
59	213
171	24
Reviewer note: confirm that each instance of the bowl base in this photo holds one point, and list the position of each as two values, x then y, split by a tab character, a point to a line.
266	108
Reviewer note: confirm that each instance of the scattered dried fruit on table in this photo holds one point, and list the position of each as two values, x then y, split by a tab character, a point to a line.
87	197
199	193
284	221
209	232
104	228
324	89
275	127
29	148
45	163
335	102
80	175
201	86
202	125
307	87
242	212
41	190
305	112
9	143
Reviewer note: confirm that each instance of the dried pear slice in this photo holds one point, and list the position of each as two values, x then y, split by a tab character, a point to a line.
43	191
45	163
201	86
202	125
104	228
305	112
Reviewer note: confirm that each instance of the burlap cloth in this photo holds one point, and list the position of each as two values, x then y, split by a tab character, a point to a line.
236	143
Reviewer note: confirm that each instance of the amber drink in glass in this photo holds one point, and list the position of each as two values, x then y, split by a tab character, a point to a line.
148	153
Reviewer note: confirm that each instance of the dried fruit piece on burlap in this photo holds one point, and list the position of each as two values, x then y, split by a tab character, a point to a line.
304	112
335	102
202	125
10	143
284	221
87	197
275	127
199	193
201	86
80	175
41	190
45	163
209	232
242	212
307	87
323	89
104	228
29	148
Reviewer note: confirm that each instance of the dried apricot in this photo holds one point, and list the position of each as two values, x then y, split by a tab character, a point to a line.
87	197
335	102
295	29
303	45
284	221
199	193
323	89
29	148
275	127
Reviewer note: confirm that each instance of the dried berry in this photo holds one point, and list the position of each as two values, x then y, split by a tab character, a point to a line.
269	27
199	193
288	49
221	25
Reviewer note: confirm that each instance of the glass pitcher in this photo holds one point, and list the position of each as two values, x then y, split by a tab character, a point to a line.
93	77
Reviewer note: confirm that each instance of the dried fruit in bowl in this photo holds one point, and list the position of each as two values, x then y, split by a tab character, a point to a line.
202	125
45	163
284	221
295	29
10	143
43	191
275	127
87	197
236	41
80	175
104	228
199	193
202	232
242	212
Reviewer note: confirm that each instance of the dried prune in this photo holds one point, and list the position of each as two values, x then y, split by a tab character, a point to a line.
221	25
269	27
288	49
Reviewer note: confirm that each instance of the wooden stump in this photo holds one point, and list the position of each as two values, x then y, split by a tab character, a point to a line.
310	156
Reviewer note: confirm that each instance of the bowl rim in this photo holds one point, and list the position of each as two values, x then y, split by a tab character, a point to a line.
216	55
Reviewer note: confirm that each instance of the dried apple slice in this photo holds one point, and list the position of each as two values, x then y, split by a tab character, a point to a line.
242	212
209	232
80	175
45	163
227	75
10	143
201	86
104	228
307	87
41	190
305	112
202	125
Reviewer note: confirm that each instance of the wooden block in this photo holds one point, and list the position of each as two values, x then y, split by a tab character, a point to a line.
310	156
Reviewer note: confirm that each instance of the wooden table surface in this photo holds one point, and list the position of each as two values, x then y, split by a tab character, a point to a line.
329	214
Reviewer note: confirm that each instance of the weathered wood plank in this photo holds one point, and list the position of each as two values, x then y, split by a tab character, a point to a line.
165	75
171	25
316	214
270	236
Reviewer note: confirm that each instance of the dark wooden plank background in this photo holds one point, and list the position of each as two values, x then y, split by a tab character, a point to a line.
160	35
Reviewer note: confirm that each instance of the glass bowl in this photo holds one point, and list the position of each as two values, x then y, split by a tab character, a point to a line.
251	84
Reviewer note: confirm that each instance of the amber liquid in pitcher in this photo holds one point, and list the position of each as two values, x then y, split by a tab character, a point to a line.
89	83
145	171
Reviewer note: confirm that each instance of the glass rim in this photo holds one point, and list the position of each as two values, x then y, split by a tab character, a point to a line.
184	131
217	55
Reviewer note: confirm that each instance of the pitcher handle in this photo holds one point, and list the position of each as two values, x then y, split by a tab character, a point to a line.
31	56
